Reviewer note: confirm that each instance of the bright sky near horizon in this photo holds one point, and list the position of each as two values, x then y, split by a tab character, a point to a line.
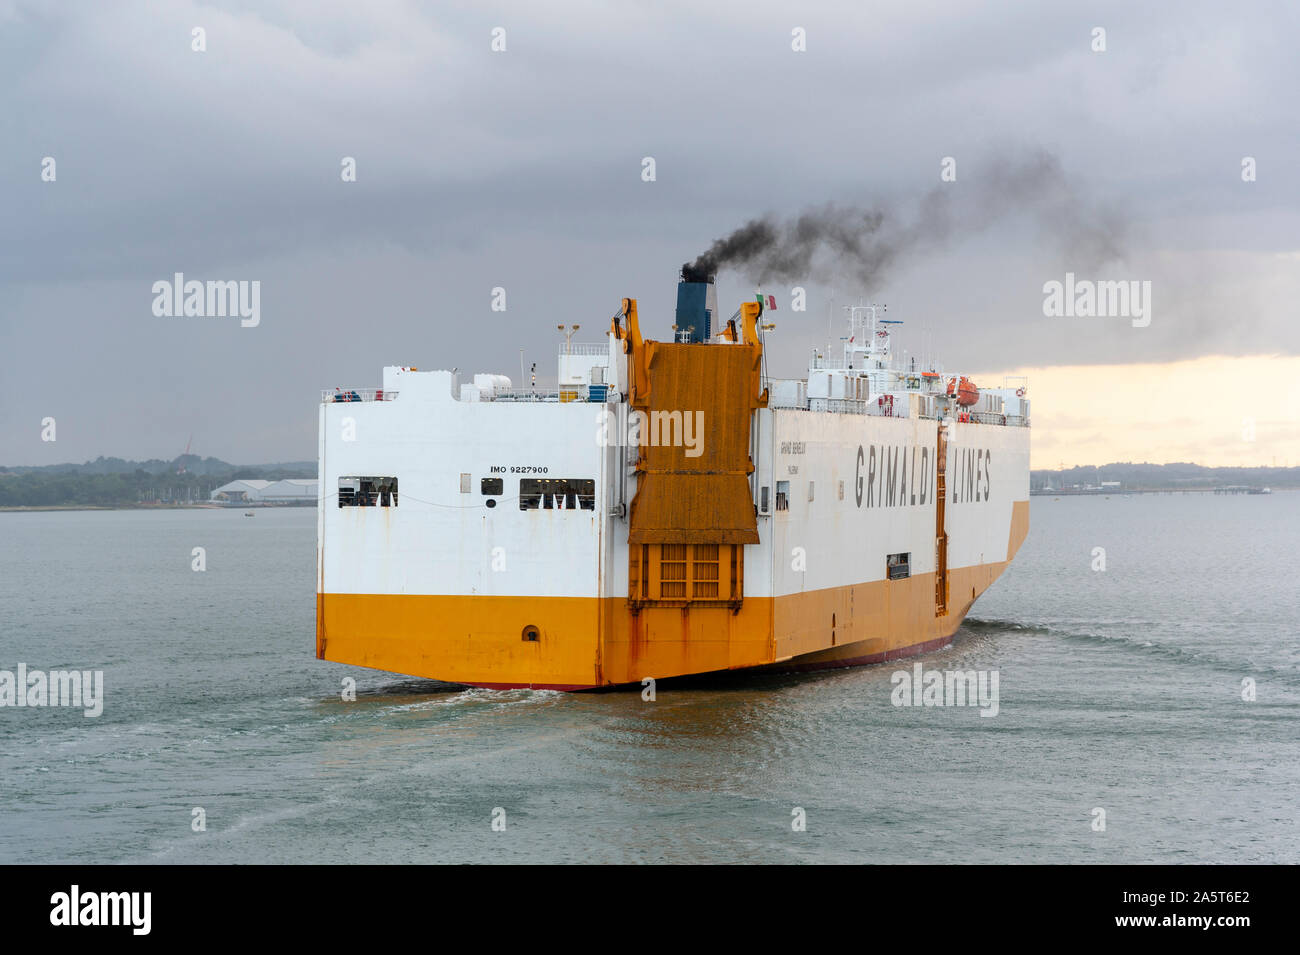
1213	411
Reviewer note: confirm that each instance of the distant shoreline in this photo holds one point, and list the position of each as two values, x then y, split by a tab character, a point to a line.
150	507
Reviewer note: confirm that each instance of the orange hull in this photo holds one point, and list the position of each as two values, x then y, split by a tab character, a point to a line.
591	642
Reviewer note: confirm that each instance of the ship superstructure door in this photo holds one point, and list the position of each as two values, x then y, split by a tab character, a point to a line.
693	512
670	575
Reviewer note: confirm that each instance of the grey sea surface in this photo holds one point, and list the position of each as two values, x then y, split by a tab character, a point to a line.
1119	690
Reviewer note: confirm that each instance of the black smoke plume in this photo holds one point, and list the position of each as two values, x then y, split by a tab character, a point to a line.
862	244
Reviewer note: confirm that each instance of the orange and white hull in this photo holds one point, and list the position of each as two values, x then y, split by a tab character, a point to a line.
498	541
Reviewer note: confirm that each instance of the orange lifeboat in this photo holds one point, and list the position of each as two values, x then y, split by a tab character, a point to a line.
963	390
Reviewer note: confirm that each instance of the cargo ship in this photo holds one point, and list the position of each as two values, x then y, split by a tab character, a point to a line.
668	509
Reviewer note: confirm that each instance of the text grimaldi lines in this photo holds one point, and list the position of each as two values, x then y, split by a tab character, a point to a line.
900	476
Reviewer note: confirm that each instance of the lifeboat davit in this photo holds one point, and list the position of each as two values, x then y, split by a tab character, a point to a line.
964	390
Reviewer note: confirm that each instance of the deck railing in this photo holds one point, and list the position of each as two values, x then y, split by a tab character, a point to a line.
584	348
357	394
601	393
592	393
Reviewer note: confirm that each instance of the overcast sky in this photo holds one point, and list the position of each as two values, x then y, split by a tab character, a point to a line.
523	169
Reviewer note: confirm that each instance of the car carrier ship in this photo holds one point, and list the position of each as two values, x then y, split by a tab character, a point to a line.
668	510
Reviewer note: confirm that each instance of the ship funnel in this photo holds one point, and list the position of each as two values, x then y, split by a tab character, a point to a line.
697	304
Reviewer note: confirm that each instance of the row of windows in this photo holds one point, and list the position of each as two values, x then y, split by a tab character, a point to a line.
548	494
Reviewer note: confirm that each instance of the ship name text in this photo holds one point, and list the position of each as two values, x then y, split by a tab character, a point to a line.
898	476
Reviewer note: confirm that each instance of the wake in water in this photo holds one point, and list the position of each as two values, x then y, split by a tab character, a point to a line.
1137	646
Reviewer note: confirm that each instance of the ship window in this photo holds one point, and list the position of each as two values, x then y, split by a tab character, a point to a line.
367	491
567	494
841	490
464	482
492	486
899	566
810	490
782	495
762	497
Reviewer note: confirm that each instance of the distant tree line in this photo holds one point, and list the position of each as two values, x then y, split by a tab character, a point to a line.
1166	476
94	485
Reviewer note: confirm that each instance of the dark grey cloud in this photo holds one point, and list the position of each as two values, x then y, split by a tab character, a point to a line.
522	169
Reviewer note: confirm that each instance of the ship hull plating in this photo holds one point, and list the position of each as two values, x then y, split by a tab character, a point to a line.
440	585
472	640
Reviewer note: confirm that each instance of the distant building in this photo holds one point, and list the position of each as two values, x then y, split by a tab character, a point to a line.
257	491
291	491
240	491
